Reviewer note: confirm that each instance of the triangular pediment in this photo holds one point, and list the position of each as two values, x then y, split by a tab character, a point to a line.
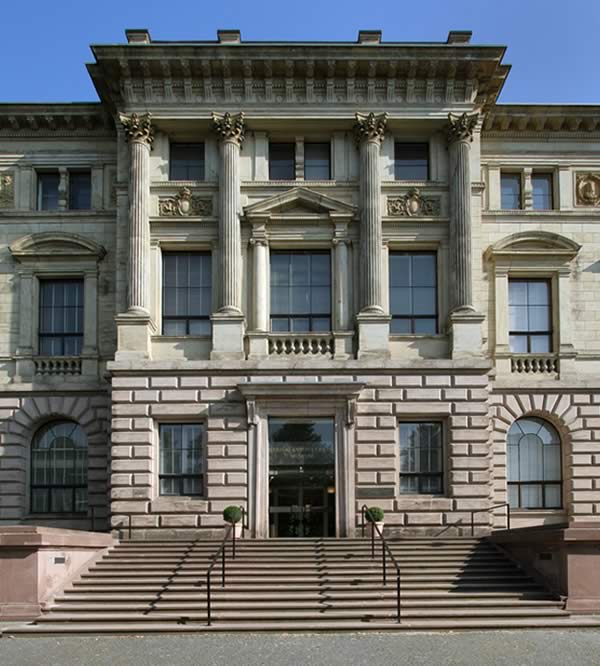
300	202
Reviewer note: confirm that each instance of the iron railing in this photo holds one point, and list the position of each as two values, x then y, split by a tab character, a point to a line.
222	555
385	551
489	510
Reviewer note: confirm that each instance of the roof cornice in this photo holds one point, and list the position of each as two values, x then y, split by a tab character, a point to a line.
538	118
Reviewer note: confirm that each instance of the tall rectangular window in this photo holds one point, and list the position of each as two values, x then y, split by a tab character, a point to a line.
181	460
300	291
317	161
61	317
541	184
530	315
510	191
186	161
421	458
186	293
411	161
282	161
48	183
413	293
80	190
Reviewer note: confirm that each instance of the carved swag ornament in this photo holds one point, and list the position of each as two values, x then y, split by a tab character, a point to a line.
461	128
184	204
587	189
229	127
7	189
412	204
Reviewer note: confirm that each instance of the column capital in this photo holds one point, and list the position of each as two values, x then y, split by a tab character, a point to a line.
370	127
341	241
461	127
229	127
138	128
263	242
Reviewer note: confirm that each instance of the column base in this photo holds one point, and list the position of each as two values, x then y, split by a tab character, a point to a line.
227	336
258	344
343	344
134	336
373	335
465	333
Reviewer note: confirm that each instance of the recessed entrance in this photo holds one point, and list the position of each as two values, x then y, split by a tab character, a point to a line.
301	477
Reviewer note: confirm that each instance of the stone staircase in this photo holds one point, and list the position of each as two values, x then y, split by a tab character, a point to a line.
302	585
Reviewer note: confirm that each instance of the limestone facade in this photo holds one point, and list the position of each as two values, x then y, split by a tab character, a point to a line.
130	375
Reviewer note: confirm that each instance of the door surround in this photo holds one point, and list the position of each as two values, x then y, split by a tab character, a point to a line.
335	400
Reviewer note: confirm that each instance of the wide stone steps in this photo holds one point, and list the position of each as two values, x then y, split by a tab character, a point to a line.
301	584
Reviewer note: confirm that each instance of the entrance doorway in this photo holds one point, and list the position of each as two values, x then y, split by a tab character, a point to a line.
301	477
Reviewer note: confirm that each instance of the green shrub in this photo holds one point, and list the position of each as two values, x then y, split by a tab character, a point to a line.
374	514
232	514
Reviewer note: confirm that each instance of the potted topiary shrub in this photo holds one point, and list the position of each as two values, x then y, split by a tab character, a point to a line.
375	514
233	516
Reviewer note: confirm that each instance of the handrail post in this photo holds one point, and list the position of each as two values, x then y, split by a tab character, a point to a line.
243	522
398	596
362	522
129	516
233	542
383	554
507	515
208	618
372	540
223	565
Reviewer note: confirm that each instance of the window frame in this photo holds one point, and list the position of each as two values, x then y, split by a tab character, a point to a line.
71	173
397	161
542	482
186	318
442	474
183	476
42	280
73	487
528	334
294	160
411	318
318	143
549	175
189	163
518	177
40	174
310	316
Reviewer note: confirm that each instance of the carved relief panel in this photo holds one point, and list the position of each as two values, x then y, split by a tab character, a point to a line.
7	189
587	189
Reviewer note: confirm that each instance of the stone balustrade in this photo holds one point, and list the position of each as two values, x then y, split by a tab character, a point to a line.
57	365
541	364
301	345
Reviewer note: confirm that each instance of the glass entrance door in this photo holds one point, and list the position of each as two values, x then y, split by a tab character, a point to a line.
301	478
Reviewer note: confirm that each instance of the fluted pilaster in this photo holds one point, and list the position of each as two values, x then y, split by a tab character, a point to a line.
369	131
140	135
261	270
459	132
230	130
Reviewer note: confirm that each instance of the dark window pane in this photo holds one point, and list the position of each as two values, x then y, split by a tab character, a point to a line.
530	316
187	293
518	344
411	161
425	326
61	317
317	161
541	184
540	344
400	326
282	161
413	292
510	185
186	161
80	190
280	324
421	462
48	191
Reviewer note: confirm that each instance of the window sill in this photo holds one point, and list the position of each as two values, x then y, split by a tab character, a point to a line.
181	337
417	336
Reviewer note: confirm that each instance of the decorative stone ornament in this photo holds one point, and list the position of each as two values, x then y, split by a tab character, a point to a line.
412	204
7	189
370	127
138	128
184	204
229	127
587	189
461	128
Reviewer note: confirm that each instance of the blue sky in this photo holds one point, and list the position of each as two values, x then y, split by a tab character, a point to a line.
553	45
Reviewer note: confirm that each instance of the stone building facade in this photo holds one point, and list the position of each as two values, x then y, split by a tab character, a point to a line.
164	345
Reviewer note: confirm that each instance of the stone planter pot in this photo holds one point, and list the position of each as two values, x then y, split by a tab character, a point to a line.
380	524
237	528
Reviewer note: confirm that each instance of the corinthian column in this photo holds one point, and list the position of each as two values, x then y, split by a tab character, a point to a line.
230	130
465	322
228	321
139	134
373	322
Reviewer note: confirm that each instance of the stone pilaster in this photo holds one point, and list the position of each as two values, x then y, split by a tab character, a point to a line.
464	322
228	321
373	322
259	336
135	325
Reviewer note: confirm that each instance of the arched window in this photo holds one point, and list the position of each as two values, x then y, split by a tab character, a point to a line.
534	465
59	464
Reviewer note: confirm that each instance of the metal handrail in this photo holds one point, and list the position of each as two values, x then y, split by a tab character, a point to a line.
489	510
222	552
384	549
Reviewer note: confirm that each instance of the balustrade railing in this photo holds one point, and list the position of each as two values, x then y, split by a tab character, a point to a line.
540	364
57	365
301	345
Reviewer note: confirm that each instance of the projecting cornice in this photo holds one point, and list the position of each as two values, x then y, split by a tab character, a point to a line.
146	73
505	119
55	119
